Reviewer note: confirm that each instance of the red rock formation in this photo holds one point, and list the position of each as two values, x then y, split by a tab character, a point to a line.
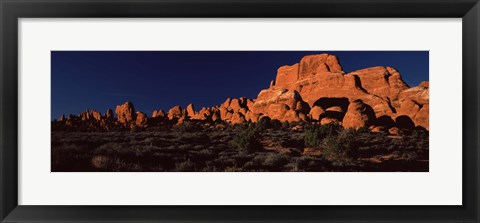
358	115
96	115
384	82
276	103
421	118
190	111
321	76
330	121
216	116
204	114
142	119
408	107
335	109
175	113
424	84
158	114
237	118
316	112
414	102
291	116
251	117
314	89
125	112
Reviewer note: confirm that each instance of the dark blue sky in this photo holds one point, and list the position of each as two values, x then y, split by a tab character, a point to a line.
161	79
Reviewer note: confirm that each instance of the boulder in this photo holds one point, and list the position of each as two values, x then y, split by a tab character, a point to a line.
277	111
358	115
270	96
316	112
378	129
408	107
291	116
302	107
394	131
141	119
330	121
335	109
421	118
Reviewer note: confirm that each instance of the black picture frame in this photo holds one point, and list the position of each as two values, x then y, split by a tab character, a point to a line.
12	10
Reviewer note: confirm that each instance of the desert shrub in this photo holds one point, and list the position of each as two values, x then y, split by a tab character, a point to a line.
300	163
276	124
364	129
185	166
409	156
419	134
276	160
233	169
185	146
247	139
285	125
134	129
112	148
198	147
100	161
293	166
188	126
315	134
251	166
341	148
264	123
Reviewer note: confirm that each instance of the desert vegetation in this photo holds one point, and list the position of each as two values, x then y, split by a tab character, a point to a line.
268	145
314	116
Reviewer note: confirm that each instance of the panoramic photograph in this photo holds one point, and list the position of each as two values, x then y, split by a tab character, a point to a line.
239	111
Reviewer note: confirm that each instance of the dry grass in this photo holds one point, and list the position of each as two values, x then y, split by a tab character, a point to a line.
196	147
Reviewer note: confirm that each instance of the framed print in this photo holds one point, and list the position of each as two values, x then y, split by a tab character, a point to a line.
239	111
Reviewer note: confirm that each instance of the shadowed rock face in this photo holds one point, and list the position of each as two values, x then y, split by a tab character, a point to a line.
316	89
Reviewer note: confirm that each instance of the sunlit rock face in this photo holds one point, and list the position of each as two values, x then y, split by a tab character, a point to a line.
317	77
316	89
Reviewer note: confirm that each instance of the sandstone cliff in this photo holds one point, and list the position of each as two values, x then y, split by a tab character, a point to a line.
316	89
